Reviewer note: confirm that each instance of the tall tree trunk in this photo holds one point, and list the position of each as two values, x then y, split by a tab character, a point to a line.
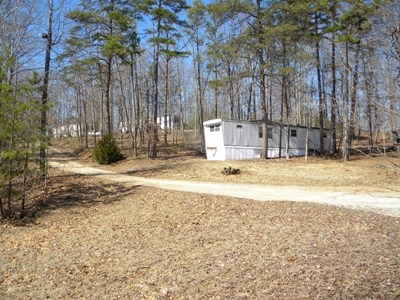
250	100
133	119
261	73
281	126
216	94
140	118
153	130
306	145
200	98
231	94
354	90
239	100
83	129
45	92
108	97
78	109
377	115
166	102
334	105
285	96
269	85
25	183
102	128
9	192
94	128
286	101
9	175
321	107
345	138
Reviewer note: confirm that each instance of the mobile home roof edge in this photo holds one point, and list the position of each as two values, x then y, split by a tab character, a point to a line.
219	121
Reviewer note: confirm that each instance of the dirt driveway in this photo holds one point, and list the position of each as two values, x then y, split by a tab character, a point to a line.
105	235
383	201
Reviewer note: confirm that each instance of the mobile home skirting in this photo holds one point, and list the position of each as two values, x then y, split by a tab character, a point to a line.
241	153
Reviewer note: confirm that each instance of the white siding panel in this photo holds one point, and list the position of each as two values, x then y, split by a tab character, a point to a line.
214	141
237	153
229	134
215	153
273	152
213	138
241	134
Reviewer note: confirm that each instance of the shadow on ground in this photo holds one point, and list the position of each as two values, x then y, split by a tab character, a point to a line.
69	191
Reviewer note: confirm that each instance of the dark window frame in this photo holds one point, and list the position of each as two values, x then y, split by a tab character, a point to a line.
214	128
269	133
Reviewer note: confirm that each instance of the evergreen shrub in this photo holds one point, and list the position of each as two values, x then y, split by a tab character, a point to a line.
107	151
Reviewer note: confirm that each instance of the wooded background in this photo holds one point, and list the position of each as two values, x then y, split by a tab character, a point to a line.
138	66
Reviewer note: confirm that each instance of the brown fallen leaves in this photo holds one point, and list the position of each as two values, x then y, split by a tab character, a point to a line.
106	241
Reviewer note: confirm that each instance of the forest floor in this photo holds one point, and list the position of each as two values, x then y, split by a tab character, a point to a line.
92	238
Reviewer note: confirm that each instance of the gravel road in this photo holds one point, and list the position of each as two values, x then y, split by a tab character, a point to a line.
384	202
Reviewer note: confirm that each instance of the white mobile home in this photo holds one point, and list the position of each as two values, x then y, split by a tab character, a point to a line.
234	140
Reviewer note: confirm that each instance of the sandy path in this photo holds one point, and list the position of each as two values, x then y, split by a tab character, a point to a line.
383	202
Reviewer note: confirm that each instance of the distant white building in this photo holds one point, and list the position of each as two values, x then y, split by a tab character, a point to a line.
64	131
235	140
160	122
123	127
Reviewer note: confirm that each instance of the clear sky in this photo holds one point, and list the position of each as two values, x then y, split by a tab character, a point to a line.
61	7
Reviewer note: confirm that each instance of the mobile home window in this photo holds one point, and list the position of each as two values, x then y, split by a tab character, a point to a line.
214	128
293	132
260	133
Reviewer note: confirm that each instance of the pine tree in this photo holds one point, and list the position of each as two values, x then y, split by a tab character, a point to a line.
165	17
351	26
196	24
19	137
100	35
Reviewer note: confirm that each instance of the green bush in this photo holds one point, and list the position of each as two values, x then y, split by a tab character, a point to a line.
107	151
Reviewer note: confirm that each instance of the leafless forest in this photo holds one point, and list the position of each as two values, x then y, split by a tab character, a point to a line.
153	69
